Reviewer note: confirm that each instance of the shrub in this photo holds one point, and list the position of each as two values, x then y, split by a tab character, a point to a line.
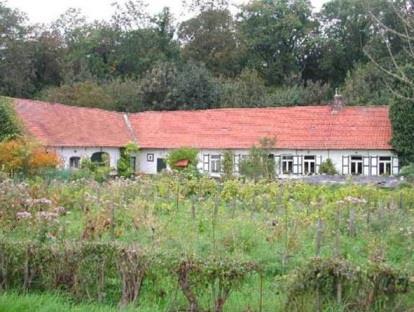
228	164
24	156
184	153
327	167
9	125
259	164
92	169
125	168
408	172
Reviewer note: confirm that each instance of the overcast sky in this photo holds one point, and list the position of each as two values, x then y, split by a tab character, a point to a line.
44	11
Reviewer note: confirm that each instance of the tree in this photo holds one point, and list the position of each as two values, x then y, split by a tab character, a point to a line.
167	87
9	125
273	32
48	56
397	38
196	88
211	38
16	56
157	87
84	94
402	120
365	86
125	95
246	90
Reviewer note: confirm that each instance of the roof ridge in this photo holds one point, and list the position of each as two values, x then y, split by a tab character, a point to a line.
129	127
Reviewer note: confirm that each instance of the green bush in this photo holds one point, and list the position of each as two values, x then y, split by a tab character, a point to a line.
327	167
408	172
259	164
125	168
9	125
184	153
228	164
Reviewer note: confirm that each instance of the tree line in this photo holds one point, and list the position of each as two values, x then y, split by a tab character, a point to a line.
264	53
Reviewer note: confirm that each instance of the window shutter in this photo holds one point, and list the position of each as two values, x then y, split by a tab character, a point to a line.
318	164
366	165
395	166
236	163
374	165
296	164
206	162
345	165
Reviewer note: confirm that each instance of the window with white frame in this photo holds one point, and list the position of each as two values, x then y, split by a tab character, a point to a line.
309	164
215	163
74	162
384	165
287	164
356	165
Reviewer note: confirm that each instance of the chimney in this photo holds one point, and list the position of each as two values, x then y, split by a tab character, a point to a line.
338	102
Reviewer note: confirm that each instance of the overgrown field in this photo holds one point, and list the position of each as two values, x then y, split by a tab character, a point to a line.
173	243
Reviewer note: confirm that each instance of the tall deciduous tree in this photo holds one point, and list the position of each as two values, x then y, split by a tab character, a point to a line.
273	32
397	37
211	38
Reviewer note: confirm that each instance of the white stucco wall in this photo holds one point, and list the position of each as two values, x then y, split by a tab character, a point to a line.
150	167
145	165
66	153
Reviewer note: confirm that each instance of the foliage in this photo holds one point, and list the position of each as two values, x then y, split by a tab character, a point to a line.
196	88
125	167
99	171
334	279
165	243
365	86
408	172
228	164
211	38
312	94
273	31
125	95
21	155
401	116
246	90
260	163
327	167
9	125
184	153
86	94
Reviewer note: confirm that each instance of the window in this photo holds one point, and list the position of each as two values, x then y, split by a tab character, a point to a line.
309	164
74	162
356	165
150	157
384	165
215	163
287	164
161	164
100	159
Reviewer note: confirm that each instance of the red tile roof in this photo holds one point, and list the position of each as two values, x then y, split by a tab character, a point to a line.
62	125
305	127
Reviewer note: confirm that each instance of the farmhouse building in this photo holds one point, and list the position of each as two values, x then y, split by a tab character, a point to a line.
356	139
